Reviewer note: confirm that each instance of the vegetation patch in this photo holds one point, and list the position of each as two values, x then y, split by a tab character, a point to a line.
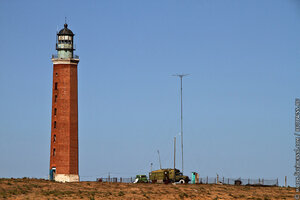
182	195
121	193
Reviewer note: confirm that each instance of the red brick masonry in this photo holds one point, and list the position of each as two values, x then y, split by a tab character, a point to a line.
64	121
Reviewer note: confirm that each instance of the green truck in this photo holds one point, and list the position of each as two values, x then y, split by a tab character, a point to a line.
141	179
167	176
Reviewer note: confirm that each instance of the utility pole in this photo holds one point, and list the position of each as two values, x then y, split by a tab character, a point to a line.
174	159
181	115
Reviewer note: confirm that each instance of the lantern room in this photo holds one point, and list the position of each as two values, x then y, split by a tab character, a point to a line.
64	43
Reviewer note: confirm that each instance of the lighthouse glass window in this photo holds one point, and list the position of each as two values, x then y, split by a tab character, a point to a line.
65	37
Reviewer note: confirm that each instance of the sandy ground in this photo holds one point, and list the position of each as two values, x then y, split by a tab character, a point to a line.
44	189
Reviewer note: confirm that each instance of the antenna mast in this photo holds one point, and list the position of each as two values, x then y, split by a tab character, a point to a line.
181	115
159	159
174	159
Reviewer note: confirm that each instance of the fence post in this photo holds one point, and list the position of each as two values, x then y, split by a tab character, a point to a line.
248	181
259	181
223	180
131	179
120	179
228	181
285	181
217	181
262	181
207	180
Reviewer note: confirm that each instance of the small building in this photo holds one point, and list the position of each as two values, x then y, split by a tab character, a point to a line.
195	177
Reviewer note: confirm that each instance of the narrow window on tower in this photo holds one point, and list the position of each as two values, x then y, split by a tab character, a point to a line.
56	74
54	138
55	87
54	124
54	152
55	111
55	98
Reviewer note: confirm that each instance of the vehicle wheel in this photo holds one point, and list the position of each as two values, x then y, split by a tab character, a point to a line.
182	181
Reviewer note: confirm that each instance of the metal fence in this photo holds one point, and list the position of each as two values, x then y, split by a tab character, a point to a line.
206	180
239	181
116	180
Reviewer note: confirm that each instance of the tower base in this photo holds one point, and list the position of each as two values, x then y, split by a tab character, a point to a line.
66	178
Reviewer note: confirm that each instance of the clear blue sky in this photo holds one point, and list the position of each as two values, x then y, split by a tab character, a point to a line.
244	61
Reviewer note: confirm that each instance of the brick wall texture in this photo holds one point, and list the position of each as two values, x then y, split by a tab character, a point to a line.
64	121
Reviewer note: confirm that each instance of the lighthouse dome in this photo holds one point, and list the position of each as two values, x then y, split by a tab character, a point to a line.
65	31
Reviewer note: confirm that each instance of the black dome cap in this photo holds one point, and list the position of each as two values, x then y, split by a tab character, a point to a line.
65	31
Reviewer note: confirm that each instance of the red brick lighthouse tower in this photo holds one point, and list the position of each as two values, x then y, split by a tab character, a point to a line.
64	121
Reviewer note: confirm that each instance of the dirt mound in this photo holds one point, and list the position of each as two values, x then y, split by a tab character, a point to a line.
44	189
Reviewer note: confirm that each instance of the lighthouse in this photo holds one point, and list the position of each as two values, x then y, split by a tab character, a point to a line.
64	119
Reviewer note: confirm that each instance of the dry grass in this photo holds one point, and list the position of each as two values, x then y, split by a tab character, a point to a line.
43	189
